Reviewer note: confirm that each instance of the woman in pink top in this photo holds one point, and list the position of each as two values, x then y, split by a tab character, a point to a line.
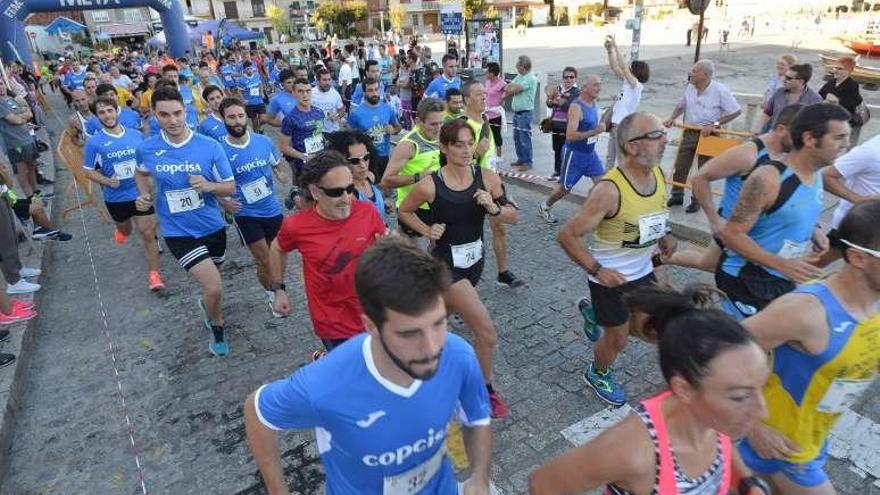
495	102
677	442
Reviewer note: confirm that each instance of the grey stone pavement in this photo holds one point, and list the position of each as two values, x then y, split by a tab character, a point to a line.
185	405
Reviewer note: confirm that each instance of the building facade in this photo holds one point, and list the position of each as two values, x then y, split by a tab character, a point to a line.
129	25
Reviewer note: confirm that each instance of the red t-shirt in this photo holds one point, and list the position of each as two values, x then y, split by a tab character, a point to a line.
330	250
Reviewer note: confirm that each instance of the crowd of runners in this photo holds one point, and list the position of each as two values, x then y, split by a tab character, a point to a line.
391	235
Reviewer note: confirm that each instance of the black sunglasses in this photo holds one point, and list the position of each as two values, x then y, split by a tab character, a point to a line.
650	136
335	192
789	78
355	160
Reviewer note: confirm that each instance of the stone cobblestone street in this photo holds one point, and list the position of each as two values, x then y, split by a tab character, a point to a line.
185	405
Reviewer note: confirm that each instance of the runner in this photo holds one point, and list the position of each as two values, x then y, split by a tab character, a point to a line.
282	102
301	137
127	117
671	443
734	166
255	207
357	147
381	402
190	172
772	237
326	98
461	195
855	177
825	345
331	235
474	100
625	218
212	125
579	157
76	123
251	85
376	118
109	160
417	154
448	79
454	105
152	123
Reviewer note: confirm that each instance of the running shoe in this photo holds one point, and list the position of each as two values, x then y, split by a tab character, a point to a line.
499	407
316	355
508	279
22	287
156	283
16	314
25	305
605	386
28	272
591	329
119	237
42	233
218	345
6	359
62	236
544	211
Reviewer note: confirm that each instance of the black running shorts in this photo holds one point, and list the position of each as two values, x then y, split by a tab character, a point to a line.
120	212
190	251
253	229
608	301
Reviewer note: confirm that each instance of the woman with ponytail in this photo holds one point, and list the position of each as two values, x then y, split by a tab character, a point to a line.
677	442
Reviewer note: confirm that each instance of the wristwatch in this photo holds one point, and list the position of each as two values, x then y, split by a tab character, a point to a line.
746	484
595	271
273	287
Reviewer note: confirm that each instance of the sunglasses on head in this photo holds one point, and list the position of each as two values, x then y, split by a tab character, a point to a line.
335	192
355	160
871	252
650	136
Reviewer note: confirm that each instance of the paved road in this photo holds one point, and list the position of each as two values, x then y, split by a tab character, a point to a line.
185	406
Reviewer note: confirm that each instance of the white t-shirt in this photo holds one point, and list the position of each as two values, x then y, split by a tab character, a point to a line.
860	169
627	101
329	102
345	75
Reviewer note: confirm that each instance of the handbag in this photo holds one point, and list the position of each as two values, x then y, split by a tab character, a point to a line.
861	115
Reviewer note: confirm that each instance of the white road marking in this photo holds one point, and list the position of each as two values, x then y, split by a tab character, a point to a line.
587	429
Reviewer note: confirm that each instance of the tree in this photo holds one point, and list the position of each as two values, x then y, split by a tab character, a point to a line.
396	15
275	16
339	18
491	12
473	8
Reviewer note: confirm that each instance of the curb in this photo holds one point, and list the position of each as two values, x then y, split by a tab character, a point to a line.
680	230
13	380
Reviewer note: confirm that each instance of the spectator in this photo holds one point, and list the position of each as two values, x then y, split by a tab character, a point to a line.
558	101
783	63
522	89
495	102
708	104
633	77
794	90
845	92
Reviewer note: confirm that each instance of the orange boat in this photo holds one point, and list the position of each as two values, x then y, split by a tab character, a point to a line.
864	45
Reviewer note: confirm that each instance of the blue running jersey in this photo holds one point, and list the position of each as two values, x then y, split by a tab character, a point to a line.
212	127
281	102
192	121
589	120
252	165
305	131
127	117
186	92
376	437
733	184
182	211
437	88
251	88
74	80
372	121
227	72
114	156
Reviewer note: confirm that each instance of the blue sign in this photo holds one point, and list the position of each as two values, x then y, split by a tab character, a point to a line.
451	22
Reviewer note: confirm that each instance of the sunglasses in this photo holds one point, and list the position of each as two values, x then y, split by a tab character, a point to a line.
335	192
789	78
568	77
650	136
875	254
356	160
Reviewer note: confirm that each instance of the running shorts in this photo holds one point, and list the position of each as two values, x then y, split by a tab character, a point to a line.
806	474
21	154
190	251
120	212
751	291
253	111
378	164
253	229
577	164
608	301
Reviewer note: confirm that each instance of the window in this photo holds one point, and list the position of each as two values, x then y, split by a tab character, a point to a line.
100	16
133	15
268	32
259	8
231	10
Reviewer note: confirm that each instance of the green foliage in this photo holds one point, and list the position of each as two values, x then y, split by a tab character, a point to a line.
339	17
473	8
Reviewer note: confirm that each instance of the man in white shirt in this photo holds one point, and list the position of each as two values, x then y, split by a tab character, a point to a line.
708	104
346	74
119	79
326	98
854	178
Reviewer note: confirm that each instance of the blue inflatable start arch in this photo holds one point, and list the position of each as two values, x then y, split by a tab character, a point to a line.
13	39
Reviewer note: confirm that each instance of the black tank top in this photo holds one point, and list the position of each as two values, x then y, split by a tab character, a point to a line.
459	211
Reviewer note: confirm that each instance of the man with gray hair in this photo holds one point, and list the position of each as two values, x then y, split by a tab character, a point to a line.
522	89
708	104
624	220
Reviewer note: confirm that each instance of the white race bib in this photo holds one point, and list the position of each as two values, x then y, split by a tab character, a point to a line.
466	255
256	190
842	394
652	227
255	91
415	479
790	249
592	140
183	200
124	170
314	144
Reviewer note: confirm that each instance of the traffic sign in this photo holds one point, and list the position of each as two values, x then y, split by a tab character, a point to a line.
451	18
